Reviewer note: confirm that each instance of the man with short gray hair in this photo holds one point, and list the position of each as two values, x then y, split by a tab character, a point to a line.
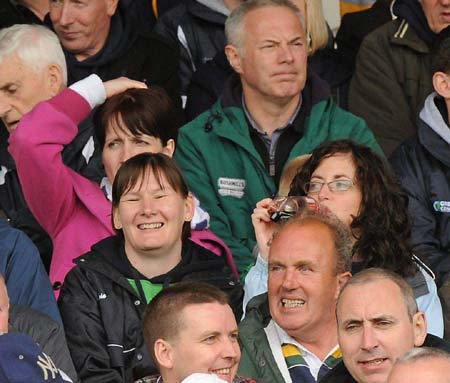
377	321
424	364
271	111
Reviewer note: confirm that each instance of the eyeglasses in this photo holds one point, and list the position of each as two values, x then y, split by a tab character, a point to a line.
337	186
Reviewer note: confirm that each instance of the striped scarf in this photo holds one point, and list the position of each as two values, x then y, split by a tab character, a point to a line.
299	369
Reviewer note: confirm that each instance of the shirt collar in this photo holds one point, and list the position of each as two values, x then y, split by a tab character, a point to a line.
254	124
286	338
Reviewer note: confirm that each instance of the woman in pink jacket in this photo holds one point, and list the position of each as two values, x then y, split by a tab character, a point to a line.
75	211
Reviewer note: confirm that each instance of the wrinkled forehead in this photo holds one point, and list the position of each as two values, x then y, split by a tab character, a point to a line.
303	237
371	299
12	67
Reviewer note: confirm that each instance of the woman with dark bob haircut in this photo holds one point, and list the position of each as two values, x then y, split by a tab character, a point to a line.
103	298
359	187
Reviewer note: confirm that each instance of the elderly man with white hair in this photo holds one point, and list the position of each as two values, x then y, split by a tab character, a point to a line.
32	69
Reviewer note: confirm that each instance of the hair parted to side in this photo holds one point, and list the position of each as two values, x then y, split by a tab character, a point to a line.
418	354
381	228
235	23
141	111
374	274
163	318
35	45
134	171
340	234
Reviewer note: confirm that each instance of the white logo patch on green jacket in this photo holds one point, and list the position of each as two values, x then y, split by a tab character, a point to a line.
233	187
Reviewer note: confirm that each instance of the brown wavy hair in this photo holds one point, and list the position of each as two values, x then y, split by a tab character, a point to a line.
381	228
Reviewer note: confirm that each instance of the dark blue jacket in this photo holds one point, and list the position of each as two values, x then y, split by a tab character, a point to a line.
423	166
26	280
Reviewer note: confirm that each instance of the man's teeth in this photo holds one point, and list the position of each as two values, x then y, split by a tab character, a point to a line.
292	302
223	371
374	362
150	225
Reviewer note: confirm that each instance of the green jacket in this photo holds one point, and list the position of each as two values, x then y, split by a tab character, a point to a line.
257	360
391	82
228	175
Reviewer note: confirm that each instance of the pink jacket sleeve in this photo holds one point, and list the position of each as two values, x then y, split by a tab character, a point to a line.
36	146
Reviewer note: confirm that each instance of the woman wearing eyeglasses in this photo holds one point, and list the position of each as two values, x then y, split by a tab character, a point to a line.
359	187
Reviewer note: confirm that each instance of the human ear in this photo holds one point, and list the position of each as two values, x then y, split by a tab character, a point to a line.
342	279
169	148
420	328
111	6
441	84
234	57
54	79
189	207
116	219
164	353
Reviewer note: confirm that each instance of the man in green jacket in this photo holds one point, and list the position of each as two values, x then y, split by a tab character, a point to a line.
271	111
290	334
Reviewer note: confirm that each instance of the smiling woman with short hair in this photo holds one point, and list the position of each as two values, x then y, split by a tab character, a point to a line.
103	298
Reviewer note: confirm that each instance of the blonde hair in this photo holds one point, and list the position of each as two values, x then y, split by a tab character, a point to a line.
316	26
289	172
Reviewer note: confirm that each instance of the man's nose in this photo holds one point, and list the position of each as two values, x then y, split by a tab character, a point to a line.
231	348
66	14
285	54
290	280
369	339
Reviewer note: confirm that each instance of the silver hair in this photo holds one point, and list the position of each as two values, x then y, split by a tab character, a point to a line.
235	23
423	353
35	45
375	274
340	233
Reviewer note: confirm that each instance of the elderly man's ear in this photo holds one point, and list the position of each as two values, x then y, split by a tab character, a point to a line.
234	58
54	79
111	6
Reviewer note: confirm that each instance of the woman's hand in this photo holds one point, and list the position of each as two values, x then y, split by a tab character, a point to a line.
121	84
263	226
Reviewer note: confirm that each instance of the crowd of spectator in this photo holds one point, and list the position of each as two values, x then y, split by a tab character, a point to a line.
209	191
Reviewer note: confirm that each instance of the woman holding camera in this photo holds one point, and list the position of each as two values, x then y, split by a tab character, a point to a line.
358	186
